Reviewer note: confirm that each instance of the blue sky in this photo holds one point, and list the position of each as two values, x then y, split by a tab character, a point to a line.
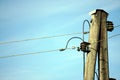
23	19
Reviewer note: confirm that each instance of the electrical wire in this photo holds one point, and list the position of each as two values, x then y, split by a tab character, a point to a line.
117	26
31	53
69	41
15	55
101	41
45	37
114	36
84	25
108	38
83	41
104	39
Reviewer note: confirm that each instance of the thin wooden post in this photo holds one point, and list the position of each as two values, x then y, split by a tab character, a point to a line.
103	49
93	40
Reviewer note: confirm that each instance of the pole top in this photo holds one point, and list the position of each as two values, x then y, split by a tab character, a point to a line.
95	11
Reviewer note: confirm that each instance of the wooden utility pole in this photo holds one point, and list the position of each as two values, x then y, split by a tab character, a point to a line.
103	65
93	40
98	41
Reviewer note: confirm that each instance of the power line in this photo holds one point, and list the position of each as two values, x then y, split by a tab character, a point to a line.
30	53
104	39
15	55
114	36
110	37
117	26
45	37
